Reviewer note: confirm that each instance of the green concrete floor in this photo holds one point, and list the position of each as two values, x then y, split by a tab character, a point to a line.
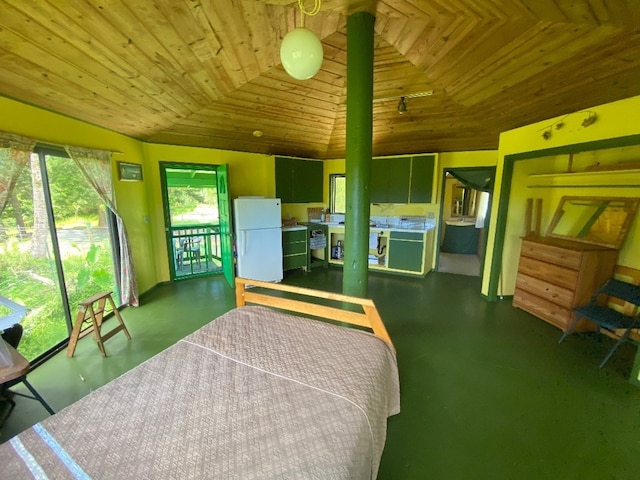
486	391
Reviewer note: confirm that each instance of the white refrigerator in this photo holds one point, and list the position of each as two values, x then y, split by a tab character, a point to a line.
258	227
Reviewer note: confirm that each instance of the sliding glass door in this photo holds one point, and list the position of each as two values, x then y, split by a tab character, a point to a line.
56	248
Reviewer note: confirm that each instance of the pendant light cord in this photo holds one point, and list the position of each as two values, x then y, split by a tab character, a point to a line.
316	9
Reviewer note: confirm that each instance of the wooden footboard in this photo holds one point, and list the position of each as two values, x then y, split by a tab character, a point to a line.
368	318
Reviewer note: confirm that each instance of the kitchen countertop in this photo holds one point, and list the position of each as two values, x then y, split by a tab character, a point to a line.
293	227
416	228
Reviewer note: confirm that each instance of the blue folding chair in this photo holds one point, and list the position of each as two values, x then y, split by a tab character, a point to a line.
599	311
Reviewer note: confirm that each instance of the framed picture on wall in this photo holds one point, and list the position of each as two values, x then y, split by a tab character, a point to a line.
129	172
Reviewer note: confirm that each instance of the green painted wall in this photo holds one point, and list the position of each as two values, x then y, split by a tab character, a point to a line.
131	197
250	174
617	119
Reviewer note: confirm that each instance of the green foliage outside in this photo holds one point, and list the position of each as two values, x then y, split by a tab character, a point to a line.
184	203
33	283
71	194
184	199
339	195
86	254
70	191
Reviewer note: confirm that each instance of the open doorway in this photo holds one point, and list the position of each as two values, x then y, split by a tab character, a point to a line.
464	217
194	220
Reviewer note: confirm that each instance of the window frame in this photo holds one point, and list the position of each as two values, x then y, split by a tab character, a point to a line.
332	192
42	151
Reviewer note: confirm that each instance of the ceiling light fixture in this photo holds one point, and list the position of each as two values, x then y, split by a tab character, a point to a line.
301	50
402	106
427	93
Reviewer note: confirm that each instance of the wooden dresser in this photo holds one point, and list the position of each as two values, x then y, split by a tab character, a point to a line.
555	275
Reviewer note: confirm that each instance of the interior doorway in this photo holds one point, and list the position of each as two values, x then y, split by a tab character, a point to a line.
195	220
464	218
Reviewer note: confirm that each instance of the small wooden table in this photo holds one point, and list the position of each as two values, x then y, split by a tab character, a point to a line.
16	373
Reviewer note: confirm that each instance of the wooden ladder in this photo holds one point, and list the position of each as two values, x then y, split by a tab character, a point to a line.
88	314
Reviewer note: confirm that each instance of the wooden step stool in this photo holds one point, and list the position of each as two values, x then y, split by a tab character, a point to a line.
87	314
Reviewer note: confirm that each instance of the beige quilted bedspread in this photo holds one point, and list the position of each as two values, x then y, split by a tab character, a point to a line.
255	394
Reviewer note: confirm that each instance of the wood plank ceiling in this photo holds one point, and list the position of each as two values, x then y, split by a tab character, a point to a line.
207	72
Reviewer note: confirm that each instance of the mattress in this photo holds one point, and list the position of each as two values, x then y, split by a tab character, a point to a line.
254	394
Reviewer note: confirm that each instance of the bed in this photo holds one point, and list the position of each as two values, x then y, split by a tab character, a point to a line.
257	393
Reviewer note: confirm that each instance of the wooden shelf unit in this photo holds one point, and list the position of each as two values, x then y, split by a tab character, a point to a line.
596	178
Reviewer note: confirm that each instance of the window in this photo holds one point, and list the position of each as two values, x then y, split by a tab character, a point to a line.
56	248
338	183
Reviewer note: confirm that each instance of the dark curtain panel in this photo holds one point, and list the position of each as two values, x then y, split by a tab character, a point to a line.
478	179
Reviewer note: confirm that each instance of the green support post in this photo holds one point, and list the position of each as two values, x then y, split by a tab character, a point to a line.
359	137
634	378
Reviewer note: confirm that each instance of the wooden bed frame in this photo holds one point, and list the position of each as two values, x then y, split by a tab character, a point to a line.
369	318
286	385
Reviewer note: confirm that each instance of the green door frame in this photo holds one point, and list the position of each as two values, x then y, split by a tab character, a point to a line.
505	193
226	224
442	203
222	186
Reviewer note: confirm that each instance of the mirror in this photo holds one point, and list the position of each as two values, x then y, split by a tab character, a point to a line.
463	202
596	220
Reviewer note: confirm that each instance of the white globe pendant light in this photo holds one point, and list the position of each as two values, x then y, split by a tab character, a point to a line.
301	50
301	53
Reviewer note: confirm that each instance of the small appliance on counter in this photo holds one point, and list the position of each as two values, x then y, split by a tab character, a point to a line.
337	252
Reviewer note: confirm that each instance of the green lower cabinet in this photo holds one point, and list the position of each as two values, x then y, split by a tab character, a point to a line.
294	249
406	251
293	262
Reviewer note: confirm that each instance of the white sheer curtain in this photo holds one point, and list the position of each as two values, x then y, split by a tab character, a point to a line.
483	206
96	167
15	151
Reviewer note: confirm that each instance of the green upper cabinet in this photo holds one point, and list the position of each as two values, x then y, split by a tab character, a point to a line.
390	180
378	182
421	187
298	180
402	179
284	179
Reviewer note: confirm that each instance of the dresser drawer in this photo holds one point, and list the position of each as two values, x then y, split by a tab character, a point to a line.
562	276
545	290
551	312
551	254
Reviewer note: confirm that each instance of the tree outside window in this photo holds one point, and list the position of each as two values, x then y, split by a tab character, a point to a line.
338	184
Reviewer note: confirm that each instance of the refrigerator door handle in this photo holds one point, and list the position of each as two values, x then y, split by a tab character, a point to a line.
243	242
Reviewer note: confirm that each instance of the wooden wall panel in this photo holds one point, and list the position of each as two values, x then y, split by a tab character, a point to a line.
208	73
